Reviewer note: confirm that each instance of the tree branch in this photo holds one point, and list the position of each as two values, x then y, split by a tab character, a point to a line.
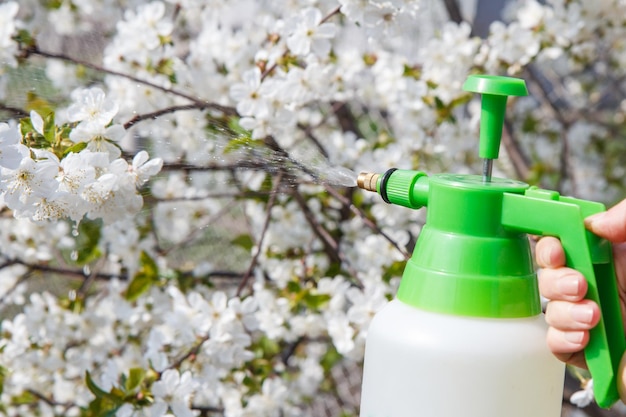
168	110
19	113
454	11
190	353
36	51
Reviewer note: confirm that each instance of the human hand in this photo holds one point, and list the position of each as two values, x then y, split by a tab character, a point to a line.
568	314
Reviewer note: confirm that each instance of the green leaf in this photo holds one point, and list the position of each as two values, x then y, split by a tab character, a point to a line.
147	275
245	241
49	128
293	286
25	39
75	148
135	378
40	105
330	358
394	270
238	143
25	397
315	301
3	375
26	126
115	398
101	407
233	124
31	137
93	387
267	348
412	72
87	239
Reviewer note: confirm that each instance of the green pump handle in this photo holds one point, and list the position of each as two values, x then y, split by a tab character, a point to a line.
495	90
546	213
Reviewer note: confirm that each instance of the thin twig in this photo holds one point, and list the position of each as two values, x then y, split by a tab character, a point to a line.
369	223
346	119
15	285
266	224
308	131
520	162
558	111
19	113
190	353
70	272
91	278
67	58
242	195
454	11
206	410
330	244
333	12
168	110
245	164
49	401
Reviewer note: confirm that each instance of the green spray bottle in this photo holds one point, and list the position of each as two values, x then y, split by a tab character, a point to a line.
465	335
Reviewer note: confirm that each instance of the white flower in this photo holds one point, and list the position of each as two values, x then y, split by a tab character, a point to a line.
341	332
531	14
583	397
356	10
513	44
249	95
270	401
147	26
111	197
308	33
79	169
245	311
91	107
10	153
272	312
142	168
31	181
37	122
172	392
99	138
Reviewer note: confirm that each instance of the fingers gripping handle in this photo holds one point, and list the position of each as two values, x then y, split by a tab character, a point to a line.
545	213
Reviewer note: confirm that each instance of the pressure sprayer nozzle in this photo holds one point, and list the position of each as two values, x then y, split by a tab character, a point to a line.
368	181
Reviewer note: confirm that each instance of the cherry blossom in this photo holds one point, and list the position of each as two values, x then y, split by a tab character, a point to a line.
308	33
92	108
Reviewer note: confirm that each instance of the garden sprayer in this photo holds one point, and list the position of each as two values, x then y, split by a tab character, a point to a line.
465	335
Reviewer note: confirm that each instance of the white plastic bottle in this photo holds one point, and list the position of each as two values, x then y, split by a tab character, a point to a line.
423	364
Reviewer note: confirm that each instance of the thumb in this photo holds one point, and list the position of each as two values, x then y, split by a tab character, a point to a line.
610	224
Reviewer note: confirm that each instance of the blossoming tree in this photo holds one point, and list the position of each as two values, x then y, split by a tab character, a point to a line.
180	235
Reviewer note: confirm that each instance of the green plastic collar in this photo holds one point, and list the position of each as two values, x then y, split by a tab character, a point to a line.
492	274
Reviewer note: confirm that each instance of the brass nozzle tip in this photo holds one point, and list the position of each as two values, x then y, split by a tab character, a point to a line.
367	181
